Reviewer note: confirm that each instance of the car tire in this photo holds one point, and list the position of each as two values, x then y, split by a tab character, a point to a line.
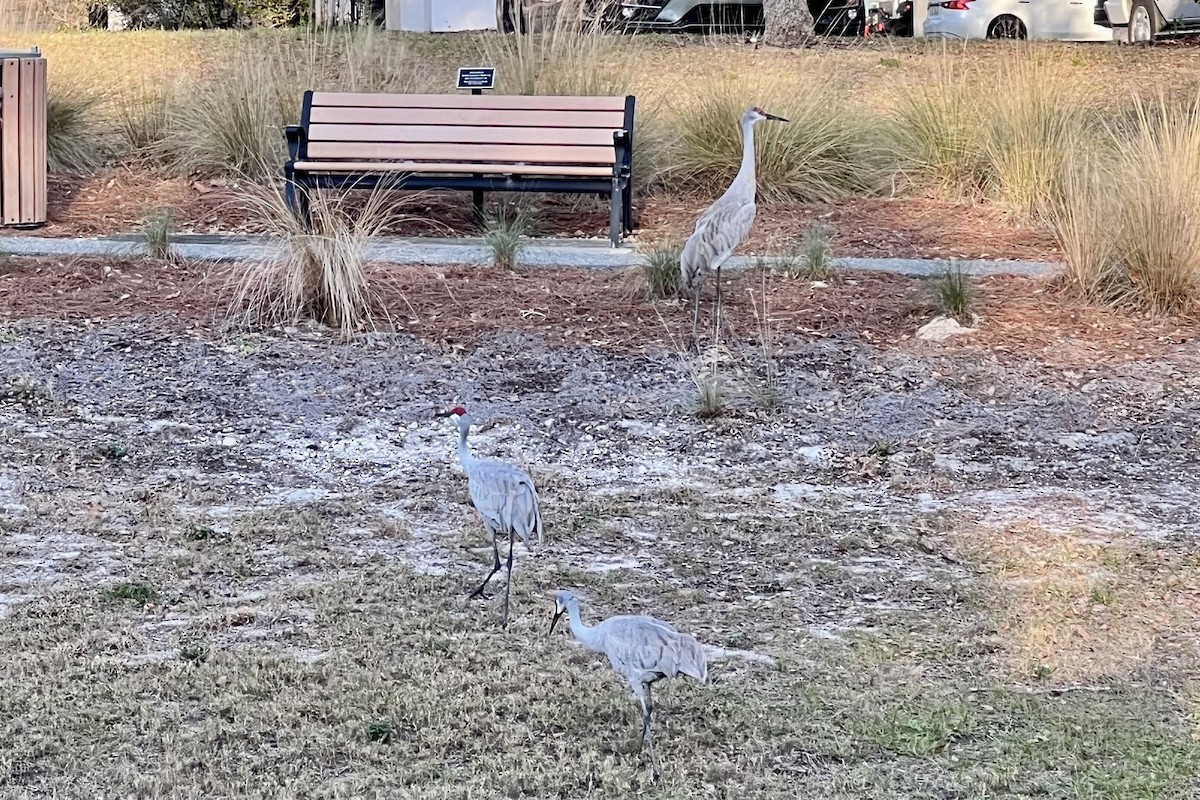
1144	23
1006	26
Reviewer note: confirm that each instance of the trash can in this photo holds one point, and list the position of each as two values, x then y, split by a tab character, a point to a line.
22	138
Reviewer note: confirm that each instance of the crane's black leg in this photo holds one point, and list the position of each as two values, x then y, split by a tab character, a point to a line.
508	583
695	316
717	334
495	568
647	734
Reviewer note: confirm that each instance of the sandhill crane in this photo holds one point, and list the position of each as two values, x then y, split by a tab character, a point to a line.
725	225
641	649
504	497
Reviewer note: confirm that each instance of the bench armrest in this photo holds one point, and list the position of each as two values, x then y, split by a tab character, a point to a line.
297	142
623	144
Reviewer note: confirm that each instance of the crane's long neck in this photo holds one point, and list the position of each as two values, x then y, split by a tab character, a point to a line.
745	176
589	637
464	452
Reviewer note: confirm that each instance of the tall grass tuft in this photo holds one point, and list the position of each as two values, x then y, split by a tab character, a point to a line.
563	59
824	153
143	116
1006	140
74	122
318	273
938	133
234	123
1034	118
1139	245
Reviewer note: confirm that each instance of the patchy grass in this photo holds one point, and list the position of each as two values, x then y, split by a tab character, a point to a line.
660	275
506	233
953	295
157	229
324	643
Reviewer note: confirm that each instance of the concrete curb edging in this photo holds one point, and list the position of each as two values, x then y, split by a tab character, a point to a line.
446	252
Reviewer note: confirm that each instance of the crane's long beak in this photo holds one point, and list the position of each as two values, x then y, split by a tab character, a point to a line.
772	116
557	613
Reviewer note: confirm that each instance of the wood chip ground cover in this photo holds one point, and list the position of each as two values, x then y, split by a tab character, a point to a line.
235	564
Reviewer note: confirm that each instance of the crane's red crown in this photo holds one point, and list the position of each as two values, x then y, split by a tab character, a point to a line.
459	411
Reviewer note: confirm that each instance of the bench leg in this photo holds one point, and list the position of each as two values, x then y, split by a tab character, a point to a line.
299	201
614	217
628	210
477	203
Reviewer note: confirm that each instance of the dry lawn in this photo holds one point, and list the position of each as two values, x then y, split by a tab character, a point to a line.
236	565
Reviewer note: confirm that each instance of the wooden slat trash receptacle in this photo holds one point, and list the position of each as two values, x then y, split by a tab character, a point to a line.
22	138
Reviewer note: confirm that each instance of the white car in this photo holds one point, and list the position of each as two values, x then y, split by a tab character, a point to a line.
1143	21
1068	20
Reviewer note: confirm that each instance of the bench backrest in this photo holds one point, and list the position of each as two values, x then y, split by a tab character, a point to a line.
355	126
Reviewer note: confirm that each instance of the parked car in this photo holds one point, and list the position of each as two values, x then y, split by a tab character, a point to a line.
664	15
1143	21
1068	20
831	17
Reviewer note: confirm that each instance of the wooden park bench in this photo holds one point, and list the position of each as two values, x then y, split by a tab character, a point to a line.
484	143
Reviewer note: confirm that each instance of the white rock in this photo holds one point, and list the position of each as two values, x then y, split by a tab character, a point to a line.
941	328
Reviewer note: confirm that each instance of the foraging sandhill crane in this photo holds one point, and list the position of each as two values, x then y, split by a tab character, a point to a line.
725	225
641	649
504	497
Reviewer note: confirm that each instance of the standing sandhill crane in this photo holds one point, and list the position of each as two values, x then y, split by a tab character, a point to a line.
504	497
641	649
725	225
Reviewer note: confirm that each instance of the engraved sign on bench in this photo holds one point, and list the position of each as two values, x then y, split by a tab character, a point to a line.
476	78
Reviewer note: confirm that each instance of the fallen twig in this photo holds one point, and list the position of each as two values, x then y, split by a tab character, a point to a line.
712	653
1049	690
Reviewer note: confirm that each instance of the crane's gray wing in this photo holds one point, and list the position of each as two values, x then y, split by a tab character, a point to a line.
640	647
718	233
506	499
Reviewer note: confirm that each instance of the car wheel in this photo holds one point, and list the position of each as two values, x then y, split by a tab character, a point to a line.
1006	26
1143	22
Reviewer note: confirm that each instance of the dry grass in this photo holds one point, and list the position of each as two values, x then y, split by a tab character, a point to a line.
825	151
320	272
1006	139
74	125
1139	245
1081	609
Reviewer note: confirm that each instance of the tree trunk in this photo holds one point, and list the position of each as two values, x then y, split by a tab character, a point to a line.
788	23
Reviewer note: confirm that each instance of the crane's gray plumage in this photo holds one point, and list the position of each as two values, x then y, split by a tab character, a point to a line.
505	498
725	225
641	649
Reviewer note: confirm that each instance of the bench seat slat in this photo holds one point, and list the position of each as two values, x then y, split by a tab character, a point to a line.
456	134
457	168
439	101
493	153
610	120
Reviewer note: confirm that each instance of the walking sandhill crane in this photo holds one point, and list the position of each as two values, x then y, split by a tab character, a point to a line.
642	650
504	498
725	225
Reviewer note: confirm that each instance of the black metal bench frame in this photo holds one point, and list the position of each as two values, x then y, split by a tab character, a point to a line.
619	189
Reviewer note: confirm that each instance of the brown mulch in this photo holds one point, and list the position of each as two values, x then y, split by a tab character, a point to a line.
1040	319
914	227
463	303
1021	317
